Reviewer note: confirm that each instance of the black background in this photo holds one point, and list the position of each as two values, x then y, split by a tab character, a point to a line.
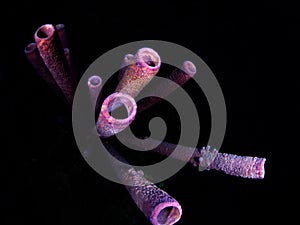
250	47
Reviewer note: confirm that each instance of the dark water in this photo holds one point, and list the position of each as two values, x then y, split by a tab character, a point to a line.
248	47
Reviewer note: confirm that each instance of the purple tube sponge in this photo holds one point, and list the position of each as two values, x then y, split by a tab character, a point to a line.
183	74
52	53
157	205
95	85
127	60
33	56
70	61
107	125
179	76
62	35
207	158
138	74
242	166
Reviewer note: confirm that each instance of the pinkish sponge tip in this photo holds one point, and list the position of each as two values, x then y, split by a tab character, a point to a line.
260	168
166	213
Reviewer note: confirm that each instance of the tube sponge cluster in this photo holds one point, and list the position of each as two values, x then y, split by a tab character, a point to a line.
50	57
